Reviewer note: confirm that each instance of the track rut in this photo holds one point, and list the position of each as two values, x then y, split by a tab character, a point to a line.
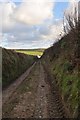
33	98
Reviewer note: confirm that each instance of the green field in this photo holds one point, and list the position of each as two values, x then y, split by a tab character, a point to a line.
34	52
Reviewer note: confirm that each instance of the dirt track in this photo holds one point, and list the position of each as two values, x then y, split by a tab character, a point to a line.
32	98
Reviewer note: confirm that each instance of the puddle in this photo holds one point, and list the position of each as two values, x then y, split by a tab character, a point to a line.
42	86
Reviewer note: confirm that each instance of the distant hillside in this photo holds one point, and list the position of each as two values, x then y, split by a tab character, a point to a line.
61	61
34	52
39	49
13	65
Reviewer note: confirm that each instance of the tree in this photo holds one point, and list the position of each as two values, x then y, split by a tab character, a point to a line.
70	20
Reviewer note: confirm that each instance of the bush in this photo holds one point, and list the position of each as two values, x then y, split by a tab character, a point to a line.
13	65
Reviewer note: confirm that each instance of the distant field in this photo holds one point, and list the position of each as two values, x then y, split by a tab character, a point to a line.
34	52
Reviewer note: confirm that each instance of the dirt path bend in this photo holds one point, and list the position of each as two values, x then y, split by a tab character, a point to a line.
33	98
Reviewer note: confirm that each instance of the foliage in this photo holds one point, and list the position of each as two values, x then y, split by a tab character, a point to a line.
63	61
13	65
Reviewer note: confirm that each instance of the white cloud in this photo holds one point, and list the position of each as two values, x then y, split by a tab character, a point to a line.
34	12
6	13
30	24
38	36
51	31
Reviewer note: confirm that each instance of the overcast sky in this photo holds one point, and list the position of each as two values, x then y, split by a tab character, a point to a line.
32	23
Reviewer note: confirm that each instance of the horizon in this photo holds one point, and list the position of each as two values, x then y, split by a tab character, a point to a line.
23	48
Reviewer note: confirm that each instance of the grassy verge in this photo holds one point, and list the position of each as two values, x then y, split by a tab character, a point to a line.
13	65
62	63
67	80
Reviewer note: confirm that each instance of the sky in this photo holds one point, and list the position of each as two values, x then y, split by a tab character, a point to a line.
28	24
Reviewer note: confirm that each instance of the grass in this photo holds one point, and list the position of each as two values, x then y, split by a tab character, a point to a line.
67	79
34	52
62	63
13	65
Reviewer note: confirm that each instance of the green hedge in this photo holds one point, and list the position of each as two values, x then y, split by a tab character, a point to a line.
13	65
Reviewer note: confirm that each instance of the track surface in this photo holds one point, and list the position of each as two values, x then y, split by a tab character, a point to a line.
32	98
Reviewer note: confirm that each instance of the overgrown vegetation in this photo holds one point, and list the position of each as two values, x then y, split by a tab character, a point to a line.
13	65
63	64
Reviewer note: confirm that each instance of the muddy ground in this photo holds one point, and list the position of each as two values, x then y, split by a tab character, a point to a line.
32	97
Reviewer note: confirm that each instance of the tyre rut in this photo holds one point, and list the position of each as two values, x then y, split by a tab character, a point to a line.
38	101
